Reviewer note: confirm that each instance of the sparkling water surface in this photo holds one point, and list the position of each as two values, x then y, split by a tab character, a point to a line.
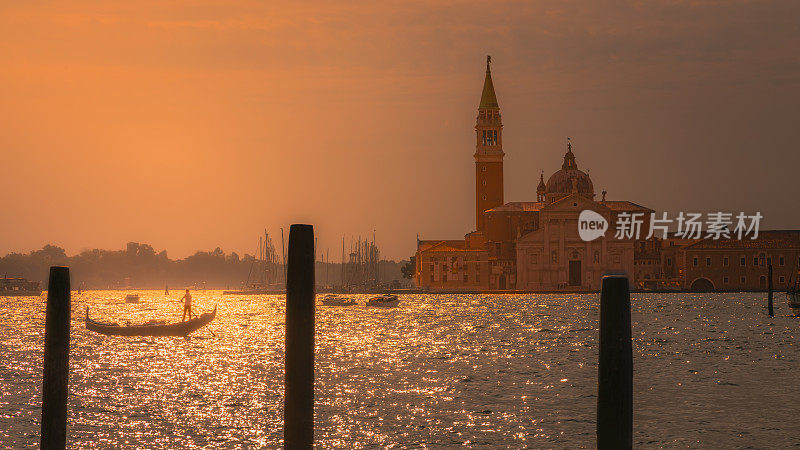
507	371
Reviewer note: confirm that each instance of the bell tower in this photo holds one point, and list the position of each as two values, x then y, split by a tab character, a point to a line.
488	152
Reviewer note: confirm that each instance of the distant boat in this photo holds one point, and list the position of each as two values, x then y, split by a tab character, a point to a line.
131	298
793	298
19	287
255	291
335	300
151	329
166	289
385	301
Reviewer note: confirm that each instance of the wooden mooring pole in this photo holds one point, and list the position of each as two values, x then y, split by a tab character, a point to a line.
56	360
298	412
615	368
769	292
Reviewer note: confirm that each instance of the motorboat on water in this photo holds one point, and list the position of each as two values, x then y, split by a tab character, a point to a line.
19	287
385	301
131	298
335	300
793	298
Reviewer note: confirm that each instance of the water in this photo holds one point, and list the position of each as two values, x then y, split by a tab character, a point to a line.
711	370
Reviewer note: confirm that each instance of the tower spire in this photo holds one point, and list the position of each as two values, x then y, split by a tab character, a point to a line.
488	97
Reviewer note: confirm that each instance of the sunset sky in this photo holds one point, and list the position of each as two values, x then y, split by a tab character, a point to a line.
192	125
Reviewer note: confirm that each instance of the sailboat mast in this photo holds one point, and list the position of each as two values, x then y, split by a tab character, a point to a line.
341	269
283	257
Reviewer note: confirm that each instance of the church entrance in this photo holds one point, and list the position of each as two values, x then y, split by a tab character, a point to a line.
575	273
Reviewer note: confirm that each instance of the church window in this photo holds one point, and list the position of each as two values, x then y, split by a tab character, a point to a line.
781	280
483	169
725	280
484	137
755	260
769	260
669	261
780	260
484	182
484	197
725	261
694	261
742	261
494	137
554	256
708	261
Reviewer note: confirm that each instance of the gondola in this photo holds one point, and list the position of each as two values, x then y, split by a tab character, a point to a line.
172	329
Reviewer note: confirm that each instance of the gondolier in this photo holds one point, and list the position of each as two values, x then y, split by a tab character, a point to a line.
187	306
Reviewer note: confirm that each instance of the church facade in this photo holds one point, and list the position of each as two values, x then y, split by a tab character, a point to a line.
527	246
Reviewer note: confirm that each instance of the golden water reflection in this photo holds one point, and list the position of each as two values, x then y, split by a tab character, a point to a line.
476	370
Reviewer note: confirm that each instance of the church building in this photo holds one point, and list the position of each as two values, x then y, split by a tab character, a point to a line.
526	246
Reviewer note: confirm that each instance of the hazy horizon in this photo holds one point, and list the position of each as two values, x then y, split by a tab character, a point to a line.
193	126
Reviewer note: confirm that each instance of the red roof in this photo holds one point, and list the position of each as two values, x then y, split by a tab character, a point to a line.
518	206
623	205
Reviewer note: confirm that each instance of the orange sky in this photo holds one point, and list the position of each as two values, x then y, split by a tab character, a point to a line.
191	125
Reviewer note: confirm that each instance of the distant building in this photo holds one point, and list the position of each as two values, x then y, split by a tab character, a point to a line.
451	265
742	265
535	246
525	245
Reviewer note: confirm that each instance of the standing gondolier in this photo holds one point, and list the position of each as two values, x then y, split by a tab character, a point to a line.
187	306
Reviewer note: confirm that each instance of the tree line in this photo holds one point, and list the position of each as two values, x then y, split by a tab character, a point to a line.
140	266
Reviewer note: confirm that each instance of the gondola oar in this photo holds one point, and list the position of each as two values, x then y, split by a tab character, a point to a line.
208	327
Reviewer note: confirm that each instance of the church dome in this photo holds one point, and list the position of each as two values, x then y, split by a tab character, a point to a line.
569	180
